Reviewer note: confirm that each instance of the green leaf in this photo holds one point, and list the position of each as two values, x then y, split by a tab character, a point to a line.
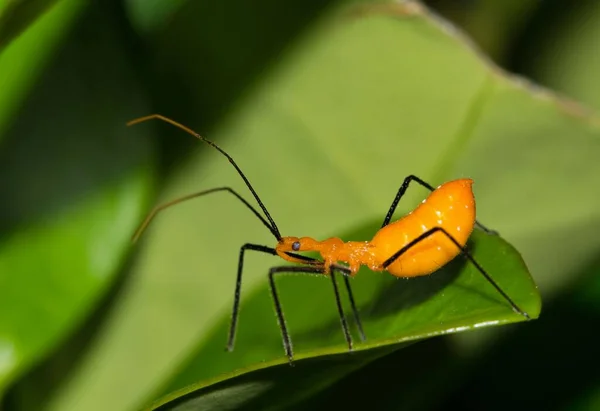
24	58
277	384
468	377
495	25
16	15
393	311
76	185
149	18
567	62
353	106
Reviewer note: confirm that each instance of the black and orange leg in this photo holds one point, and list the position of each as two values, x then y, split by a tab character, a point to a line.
428	186
466	253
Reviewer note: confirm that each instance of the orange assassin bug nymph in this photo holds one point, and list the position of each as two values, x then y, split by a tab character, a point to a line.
418	244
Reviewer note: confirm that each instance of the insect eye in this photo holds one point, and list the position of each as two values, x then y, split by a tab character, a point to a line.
296	246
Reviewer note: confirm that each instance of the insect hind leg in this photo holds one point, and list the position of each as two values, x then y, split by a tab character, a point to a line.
463	251
402	191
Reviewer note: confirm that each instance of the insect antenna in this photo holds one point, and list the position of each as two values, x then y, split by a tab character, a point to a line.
178	200
272	226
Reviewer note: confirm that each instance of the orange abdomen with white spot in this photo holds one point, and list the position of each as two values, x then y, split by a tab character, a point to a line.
452	207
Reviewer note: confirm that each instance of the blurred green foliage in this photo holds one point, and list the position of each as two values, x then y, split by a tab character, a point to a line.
326	106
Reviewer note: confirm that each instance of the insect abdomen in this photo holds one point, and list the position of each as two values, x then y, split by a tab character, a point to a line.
452	207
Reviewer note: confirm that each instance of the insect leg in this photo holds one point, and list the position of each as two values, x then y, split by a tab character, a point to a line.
340	308
287	343
238	285
238	289
466	253
399	195
428	186
271	224
346	273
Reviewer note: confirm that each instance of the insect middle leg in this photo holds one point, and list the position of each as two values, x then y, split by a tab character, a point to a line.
428	186
466	253
346	274
311	265
285	335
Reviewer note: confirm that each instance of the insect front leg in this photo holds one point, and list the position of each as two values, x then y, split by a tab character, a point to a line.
285	335
238	283
238	289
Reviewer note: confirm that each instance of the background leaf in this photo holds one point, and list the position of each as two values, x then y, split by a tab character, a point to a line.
66	228
324	118
326	110
22	61
566	65
16	15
